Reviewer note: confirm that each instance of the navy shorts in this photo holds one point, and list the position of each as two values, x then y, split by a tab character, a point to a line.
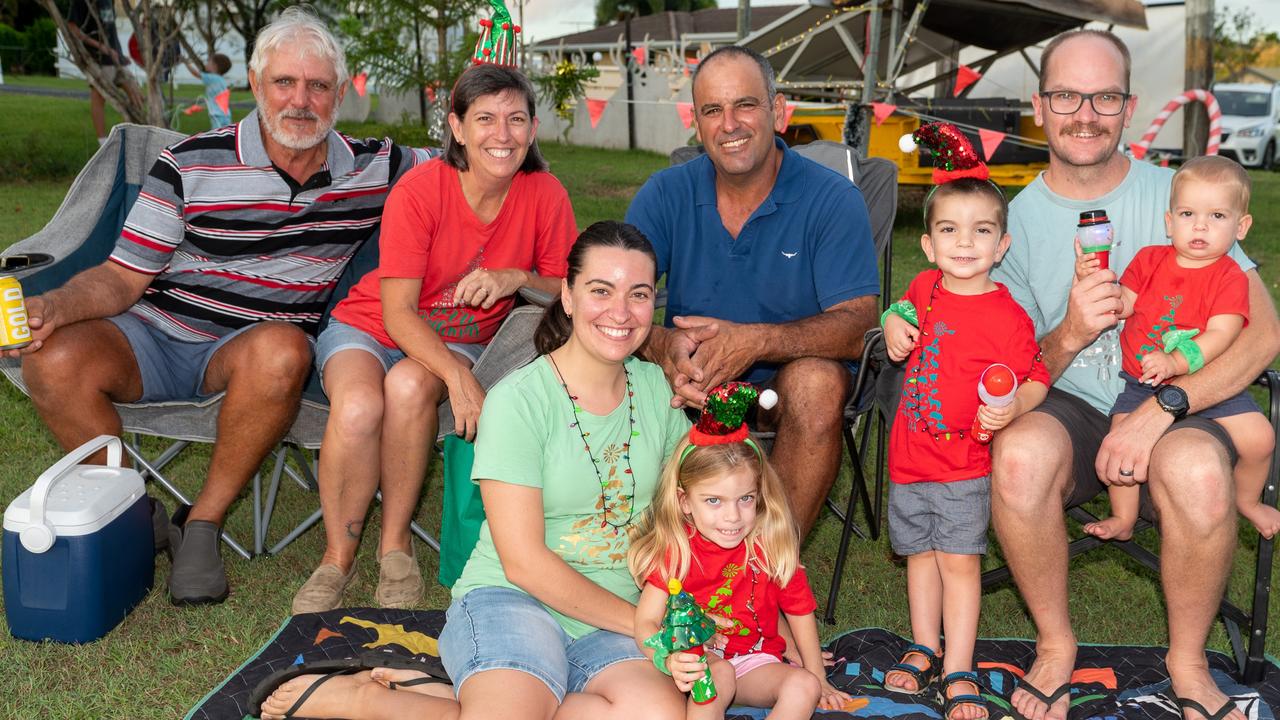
1135	393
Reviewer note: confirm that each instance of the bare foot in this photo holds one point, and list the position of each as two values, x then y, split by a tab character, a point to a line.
1113	528
903	681
395	679
966	711
1264	517
335	698
1051	670
1193	682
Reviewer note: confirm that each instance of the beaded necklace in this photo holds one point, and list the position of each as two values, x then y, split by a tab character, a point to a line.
626	448
916	375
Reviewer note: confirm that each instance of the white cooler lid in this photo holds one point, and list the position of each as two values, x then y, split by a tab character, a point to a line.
82	502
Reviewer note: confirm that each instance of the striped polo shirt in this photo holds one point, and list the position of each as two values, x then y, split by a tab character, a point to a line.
231	242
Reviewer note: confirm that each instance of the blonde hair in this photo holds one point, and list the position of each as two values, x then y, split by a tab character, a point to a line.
660	542
1219	171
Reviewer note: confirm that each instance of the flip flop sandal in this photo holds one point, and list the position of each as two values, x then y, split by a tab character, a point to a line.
1189	704
923	676
1048	700
950	703
331	668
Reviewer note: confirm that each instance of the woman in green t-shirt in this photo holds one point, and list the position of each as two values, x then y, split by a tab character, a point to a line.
567	457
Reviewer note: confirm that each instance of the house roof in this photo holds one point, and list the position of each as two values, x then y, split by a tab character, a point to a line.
668	27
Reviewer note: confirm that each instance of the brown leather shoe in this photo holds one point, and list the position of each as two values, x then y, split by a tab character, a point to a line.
323	590
399	581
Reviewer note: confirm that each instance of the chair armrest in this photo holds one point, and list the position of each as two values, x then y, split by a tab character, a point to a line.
536	297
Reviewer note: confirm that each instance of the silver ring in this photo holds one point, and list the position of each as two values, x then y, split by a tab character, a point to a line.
1126	473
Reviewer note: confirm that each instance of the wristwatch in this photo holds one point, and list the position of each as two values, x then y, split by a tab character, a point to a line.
1173	400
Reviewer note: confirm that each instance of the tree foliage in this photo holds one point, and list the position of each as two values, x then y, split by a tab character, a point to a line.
1238	42
410	45
608	11
156	25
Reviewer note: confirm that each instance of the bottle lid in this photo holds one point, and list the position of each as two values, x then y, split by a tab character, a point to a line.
1093	217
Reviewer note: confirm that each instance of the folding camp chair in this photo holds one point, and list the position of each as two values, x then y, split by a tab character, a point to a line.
1250	656
877	180
82	234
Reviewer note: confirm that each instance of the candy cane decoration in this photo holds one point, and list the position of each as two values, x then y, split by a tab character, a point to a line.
1139	149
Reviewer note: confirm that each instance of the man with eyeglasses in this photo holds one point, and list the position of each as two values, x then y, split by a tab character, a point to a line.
1062	453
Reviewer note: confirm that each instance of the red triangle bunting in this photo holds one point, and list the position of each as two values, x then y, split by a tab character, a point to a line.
595	108
991	140
965	76
686	113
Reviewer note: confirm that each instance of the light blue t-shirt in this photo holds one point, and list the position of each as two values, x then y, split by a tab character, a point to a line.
215	84
1041	262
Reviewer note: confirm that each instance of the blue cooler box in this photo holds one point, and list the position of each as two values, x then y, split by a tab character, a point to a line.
78	548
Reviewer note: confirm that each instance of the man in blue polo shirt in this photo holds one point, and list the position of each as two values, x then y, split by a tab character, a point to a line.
770	267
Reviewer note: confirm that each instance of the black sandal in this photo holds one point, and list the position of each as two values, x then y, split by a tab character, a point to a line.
332	668
951	702
924	677
1189	704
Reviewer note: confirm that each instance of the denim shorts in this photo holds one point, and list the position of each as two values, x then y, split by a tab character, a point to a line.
950	517
339	336
170	369
497	628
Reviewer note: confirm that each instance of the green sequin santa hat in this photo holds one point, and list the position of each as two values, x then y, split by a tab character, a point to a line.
723	418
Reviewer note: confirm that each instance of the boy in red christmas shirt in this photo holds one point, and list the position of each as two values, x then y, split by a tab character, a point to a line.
1185	303
952	324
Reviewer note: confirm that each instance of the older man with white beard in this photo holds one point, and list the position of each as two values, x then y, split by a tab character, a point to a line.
219	278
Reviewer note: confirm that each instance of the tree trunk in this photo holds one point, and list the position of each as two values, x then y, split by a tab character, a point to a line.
1199	74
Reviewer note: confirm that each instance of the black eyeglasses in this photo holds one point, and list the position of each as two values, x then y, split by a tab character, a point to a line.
1066	102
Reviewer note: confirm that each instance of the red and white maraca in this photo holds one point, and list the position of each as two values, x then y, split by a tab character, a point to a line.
996	388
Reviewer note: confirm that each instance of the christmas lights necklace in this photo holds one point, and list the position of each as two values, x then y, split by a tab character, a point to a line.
916	375
626	448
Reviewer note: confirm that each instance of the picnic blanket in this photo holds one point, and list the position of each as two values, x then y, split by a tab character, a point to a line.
1111	682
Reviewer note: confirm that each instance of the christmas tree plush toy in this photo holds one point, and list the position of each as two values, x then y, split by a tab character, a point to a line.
685	627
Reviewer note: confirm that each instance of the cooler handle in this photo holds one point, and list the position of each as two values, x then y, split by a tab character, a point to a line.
38	536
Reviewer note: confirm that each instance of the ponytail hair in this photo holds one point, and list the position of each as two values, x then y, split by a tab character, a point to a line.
556	327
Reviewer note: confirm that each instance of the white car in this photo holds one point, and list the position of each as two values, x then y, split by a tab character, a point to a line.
1250	122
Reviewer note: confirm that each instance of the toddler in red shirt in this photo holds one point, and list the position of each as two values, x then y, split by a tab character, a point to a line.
952	324
1184	304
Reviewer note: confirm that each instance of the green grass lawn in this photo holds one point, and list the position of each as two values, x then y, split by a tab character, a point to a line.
163	659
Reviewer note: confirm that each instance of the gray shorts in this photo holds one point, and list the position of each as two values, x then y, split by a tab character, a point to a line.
951	517
1136	393
170	369
339	336
1087	427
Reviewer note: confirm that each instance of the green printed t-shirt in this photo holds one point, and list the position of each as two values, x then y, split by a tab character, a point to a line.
1040	264
527	437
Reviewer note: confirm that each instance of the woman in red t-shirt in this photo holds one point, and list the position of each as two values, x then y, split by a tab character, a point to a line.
460	235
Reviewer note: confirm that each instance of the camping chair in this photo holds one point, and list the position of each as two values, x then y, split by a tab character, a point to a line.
877	179
1250	657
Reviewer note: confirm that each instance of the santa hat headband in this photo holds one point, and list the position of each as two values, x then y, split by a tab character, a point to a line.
497	42
953	155
723	418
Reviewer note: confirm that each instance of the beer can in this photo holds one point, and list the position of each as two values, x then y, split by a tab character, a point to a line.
14	332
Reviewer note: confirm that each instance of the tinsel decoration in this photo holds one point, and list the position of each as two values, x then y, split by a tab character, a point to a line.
497	42
953	155
723	416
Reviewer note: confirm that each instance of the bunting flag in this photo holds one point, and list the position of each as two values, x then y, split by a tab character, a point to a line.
965	76
881	111
787	112
193	109
224	100
686	113
595	108
640	54
1138	149
991	140
359	82
431	93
